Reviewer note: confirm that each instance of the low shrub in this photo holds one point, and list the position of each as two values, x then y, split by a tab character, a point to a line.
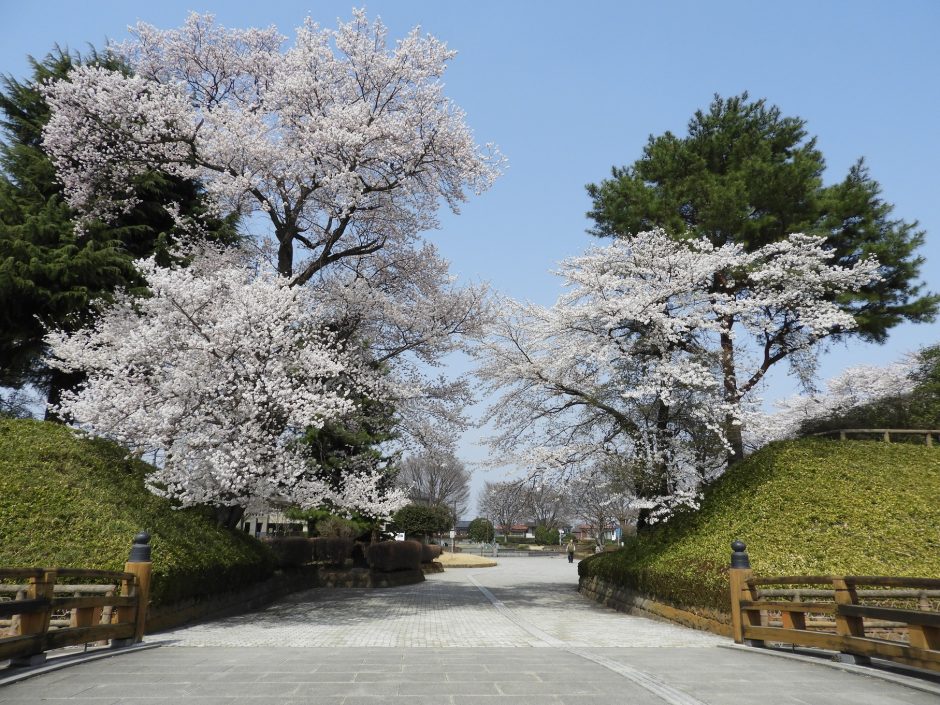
546	536
333	550
481	530
75	502
807	507
339	527
290	551
392	556
422	520
429	552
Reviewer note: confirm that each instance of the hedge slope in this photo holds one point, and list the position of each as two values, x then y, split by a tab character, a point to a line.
73	502
802	507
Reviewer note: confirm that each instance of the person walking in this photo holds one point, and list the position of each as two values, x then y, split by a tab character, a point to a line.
570	549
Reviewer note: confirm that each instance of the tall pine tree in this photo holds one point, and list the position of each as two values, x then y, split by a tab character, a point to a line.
49	274
747	174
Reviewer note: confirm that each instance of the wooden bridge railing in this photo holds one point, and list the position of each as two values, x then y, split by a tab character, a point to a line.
32	623
885	433
838	618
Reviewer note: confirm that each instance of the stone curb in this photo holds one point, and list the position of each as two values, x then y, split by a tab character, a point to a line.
823	660
61	662
487	564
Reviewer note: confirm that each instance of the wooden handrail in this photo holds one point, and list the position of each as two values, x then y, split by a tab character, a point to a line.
927	433
919	645
871	580
102	615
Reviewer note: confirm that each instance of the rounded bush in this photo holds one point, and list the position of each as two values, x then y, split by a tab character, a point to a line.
333	550
393	556
430	552
290	551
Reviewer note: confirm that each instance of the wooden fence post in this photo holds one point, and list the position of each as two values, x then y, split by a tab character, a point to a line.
847	626
37	623
138	563
738	575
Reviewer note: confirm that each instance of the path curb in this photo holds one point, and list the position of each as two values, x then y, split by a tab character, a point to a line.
60	662
823	660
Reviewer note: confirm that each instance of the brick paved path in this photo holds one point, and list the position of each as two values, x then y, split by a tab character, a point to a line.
447	610
464	637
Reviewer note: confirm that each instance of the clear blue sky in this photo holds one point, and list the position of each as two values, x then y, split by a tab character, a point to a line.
569	89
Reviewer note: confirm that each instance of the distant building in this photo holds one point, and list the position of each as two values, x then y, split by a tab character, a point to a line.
273	524
586	532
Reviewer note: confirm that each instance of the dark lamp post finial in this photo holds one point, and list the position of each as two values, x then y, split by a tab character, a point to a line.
739	557
140	551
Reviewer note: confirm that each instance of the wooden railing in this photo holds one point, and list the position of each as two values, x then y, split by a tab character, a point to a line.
49	610
860	617
885	433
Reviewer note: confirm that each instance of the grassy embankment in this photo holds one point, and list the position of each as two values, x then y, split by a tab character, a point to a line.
67	501
803	507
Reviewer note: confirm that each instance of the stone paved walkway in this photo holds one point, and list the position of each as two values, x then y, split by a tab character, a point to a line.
465	637
447	610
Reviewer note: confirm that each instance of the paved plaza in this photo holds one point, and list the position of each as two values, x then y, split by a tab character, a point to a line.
515	634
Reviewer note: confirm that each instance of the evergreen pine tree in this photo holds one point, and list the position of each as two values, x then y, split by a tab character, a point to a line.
49	274
746	174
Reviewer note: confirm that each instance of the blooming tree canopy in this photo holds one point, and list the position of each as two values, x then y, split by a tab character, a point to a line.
345	144
628	362
853	388
409	310
220	369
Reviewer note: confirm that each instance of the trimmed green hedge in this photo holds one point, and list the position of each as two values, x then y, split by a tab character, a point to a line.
290	552
802	507
67	501
392	556
332	549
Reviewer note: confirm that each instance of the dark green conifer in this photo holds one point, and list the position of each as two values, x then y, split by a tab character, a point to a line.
49	274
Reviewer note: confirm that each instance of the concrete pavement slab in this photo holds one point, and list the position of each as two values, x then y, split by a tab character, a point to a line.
518	634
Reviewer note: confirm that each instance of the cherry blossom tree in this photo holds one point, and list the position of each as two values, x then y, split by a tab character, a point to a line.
855	387
411	313
628	363
220	369
345	144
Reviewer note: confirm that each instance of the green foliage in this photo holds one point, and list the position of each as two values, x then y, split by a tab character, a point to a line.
546	536
918	410
339	527
809	507
49	274
481	529
332	549
351	445
747	174
73	502
290	551
422	519
392	556
309	516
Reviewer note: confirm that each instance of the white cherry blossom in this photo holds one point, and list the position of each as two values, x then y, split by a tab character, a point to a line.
628	363
220	369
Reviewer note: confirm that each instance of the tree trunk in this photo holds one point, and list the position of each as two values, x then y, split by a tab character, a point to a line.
229	516
60	382
285	255
734	433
